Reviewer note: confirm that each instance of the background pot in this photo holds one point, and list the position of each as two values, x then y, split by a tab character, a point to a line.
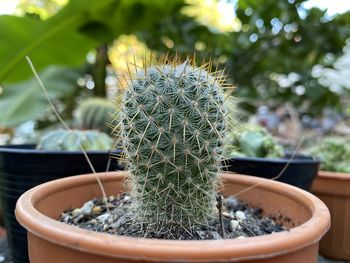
38	209
300	172
23	167
334	190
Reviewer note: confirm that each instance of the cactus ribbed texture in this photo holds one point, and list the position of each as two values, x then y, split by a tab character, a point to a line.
254	141
173	126
96	114
71	141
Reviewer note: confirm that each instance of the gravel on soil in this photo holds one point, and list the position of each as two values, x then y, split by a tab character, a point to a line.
235	220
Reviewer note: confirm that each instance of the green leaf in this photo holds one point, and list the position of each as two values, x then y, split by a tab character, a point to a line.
25	101
66	37
53	41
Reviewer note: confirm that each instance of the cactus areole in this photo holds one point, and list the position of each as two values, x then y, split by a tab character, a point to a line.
173	124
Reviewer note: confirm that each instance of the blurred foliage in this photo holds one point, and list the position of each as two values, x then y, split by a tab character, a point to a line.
127	48
40	8
66	37
63	39
268	50
219	16
334	154
26	101
271	57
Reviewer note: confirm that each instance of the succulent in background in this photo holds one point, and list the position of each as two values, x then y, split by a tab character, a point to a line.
254	141
96	114
173	125
334	154
71	141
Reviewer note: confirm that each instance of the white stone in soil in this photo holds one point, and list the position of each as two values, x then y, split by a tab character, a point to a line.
76	212
228	215
234	225
103	217
87	207
240	215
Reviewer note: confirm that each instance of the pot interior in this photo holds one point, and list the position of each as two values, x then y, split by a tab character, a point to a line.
290	209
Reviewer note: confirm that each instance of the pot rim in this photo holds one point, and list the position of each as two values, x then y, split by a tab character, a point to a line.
56	232
334	175
281	160
30	149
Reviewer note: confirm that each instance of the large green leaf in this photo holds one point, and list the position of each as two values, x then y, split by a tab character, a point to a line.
53	41
26	101
66	37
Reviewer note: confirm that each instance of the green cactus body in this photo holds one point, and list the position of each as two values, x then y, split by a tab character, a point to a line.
71	141
173	125
96	114
254	141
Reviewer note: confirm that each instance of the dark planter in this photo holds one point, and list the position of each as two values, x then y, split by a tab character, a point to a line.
300	172
23	167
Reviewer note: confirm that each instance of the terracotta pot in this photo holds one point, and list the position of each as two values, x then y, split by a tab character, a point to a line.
55	242
334	190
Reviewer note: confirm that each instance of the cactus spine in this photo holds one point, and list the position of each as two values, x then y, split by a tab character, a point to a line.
71	141
173	123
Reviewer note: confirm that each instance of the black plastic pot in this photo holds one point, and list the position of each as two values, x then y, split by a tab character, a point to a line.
23	167
300	172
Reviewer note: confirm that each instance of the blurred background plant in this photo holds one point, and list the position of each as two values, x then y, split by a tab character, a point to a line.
288	59
334	153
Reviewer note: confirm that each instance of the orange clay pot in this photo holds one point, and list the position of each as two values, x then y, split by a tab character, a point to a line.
334	190
51	241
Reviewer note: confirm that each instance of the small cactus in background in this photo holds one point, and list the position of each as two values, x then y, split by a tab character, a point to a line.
96	114
173	124
71	141
253	141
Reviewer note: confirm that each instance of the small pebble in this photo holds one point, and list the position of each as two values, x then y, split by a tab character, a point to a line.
103	217
127	198
231	202
93	221
215	235
228	215
240	215
111	198
87	207
234	225
97	210
76	212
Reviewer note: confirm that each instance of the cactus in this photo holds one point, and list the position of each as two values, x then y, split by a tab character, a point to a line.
173	124
71	141
254	141
96	114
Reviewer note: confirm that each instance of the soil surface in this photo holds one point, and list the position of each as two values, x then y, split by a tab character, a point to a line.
234	219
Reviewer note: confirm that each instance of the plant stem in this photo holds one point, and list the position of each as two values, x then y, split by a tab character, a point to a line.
99	71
